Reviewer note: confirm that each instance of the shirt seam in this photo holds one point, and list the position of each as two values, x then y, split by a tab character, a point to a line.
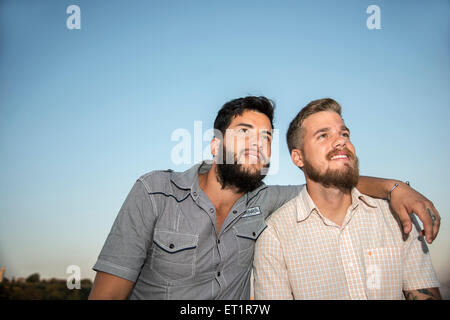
129	272
149	198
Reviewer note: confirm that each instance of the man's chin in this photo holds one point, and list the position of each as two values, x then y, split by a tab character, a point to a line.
244	178
344	178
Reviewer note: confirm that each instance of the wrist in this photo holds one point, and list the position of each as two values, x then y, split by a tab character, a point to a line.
394	185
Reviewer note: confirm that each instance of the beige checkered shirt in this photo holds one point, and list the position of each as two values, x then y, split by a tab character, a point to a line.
303	255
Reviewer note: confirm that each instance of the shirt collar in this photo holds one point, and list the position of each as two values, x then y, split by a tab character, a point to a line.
305	205
189	178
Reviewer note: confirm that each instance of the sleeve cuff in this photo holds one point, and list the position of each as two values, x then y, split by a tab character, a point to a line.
116	270
422	285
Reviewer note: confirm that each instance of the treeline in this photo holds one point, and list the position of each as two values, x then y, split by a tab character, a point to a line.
33	288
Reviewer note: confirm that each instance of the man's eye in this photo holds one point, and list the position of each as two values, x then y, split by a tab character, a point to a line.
323	136
244	130
346	134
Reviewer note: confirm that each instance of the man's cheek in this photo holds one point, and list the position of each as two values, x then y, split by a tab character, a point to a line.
267	157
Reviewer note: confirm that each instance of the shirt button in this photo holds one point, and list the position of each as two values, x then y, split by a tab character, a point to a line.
218	274
171	246
211	210
234	211
195	194
218	241
254	233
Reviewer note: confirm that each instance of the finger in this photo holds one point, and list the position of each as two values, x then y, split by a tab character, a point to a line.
405	220
433	219
437	222
423	215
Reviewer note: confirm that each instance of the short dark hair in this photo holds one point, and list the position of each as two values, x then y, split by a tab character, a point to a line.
295	133
236	107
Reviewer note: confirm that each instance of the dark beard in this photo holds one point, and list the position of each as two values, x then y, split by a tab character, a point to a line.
237	176
344	180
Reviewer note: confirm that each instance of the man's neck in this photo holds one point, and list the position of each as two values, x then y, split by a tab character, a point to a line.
222	199
332	202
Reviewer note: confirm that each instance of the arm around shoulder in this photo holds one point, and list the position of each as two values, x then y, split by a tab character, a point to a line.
404	201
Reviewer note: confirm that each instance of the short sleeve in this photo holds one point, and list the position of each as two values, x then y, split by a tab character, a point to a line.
418	269
126	246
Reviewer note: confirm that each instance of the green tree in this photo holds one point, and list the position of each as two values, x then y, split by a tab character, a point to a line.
34	278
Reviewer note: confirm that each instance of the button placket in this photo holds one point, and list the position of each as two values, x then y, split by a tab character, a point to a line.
352	273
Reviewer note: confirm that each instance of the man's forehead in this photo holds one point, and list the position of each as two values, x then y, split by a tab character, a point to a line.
323	119
252	118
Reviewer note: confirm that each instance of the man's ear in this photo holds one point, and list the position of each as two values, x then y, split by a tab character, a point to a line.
214	145
297	158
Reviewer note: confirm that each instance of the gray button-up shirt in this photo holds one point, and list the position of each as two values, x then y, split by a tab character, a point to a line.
165	238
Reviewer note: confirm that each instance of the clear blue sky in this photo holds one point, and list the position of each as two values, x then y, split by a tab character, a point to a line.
83	113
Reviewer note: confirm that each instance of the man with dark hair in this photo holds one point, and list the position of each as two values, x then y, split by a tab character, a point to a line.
331	241
231	170
191	235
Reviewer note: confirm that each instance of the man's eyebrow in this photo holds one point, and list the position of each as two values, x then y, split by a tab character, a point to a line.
242	124
321	131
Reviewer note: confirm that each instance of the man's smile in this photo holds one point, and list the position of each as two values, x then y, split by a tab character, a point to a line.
342	155
252	155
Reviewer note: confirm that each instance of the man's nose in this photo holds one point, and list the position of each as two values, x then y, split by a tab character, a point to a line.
339	142
253	140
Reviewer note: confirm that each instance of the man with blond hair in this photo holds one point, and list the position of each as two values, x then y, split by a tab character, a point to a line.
332	241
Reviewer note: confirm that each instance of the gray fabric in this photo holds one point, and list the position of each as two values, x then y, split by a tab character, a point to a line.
164	238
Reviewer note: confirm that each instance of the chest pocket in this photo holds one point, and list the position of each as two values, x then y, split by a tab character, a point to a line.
384	270
174	255
247	232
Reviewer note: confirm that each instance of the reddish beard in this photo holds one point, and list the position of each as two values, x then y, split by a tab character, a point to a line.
344	179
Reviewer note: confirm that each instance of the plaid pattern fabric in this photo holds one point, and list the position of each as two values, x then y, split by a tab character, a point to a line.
304	255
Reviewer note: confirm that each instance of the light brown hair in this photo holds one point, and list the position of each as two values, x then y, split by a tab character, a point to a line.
295	133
